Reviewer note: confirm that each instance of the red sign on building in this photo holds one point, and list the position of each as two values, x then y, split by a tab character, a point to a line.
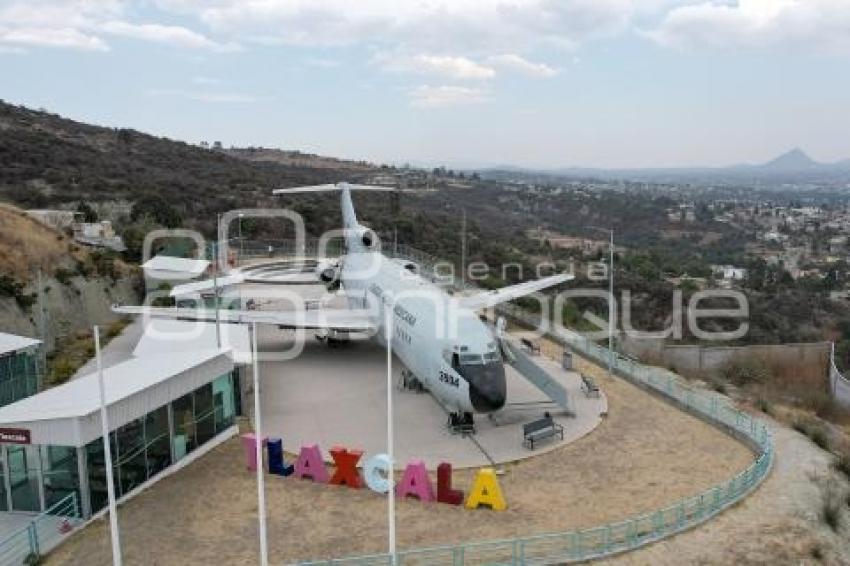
14	435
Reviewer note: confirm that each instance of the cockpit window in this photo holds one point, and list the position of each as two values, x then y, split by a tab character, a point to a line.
467	359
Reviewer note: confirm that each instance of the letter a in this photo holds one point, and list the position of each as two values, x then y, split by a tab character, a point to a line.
445	493
310	464
415	482
486	491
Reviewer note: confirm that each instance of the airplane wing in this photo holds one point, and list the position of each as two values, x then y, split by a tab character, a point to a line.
295	278
207	284
350	320
486	299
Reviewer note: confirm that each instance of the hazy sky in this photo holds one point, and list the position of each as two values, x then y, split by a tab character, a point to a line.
463	82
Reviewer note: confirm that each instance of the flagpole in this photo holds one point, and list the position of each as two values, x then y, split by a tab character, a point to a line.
258	445
107	453
390	441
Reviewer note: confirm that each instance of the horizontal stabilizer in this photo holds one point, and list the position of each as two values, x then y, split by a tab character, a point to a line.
330	187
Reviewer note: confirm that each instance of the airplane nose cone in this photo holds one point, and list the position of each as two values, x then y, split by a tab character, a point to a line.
487	387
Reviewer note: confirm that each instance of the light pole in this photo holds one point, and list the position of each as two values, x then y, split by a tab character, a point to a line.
611	321
239	261
463	251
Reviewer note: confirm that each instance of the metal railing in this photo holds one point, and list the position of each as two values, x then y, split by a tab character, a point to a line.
636	531
41	534
839	385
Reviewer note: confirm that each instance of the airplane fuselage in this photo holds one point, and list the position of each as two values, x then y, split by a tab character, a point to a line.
449	349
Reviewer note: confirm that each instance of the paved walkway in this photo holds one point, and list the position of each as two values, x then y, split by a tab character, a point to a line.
338	396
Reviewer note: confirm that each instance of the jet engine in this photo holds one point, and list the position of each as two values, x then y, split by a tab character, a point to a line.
368	238
328	273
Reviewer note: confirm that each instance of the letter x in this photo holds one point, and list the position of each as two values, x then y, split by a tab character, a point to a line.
346	467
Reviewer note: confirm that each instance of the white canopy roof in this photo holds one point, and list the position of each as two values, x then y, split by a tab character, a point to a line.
68	415
13	343
164	335
161	265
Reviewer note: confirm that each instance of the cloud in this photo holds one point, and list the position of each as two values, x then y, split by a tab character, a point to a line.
172	35
443	96
453	67
81	24
821	25
321	62
521	65
469	26
201	80
51	37
210	97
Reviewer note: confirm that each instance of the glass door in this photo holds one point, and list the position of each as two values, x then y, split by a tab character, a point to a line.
23	478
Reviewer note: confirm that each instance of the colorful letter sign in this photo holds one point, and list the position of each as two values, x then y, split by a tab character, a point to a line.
377	472
415	482
310	464
445	493
276	464
346	467
486	491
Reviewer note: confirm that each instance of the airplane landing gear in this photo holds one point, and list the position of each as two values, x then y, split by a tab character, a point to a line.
461	423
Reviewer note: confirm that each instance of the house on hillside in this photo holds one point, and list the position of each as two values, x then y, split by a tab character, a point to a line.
98	234
728	274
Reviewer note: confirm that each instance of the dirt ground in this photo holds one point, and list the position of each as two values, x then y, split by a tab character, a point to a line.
644	455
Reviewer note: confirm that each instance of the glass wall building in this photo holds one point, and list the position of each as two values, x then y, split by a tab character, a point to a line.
20	367
160	410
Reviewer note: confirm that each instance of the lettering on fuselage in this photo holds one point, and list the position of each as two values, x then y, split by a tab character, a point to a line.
376	290
449	379
405	315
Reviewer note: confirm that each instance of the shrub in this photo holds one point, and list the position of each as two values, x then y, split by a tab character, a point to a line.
764	406
814	430
63	275
746	371
842	464
831	512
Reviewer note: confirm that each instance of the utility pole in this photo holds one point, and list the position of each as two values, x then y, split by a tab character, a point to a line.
390	440
611	321
107	455
463	251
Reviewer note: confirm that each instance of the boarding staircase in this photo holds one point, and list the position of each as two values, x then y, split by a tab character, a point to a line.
525	365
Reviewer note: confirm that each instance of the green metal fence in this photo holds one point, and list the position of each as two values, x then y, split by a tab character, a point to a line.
41	534
634	532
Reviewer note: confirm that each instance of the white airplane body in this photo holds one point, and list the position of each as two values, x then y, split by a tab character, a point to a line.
438	337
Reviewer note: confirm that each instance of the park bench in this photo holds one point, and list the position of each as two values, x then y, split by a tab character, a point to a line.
540	430
531	346
589	386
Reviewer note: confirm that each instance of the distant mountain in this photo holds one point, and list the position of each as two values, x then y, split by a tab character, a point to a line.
794	160
794	166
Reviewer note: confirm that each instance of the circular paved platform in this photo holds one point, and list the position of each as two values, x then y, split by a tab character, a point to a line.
338	396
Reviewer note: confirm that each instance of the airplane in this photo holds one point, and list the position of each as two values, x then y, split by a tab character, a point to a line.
439	337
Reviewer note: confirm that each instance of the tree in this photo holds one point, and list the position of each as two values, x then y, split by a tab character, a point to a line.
89	214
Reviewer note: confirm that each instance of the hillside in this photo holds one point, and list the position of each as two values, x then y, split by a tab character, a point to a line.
47	160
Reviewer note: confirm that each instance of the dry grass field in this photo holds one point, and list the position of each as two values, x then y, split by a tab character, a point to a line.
644	455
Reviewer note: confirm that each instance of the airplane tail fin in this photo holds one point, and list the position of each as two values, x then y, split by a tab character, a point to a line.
349	218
